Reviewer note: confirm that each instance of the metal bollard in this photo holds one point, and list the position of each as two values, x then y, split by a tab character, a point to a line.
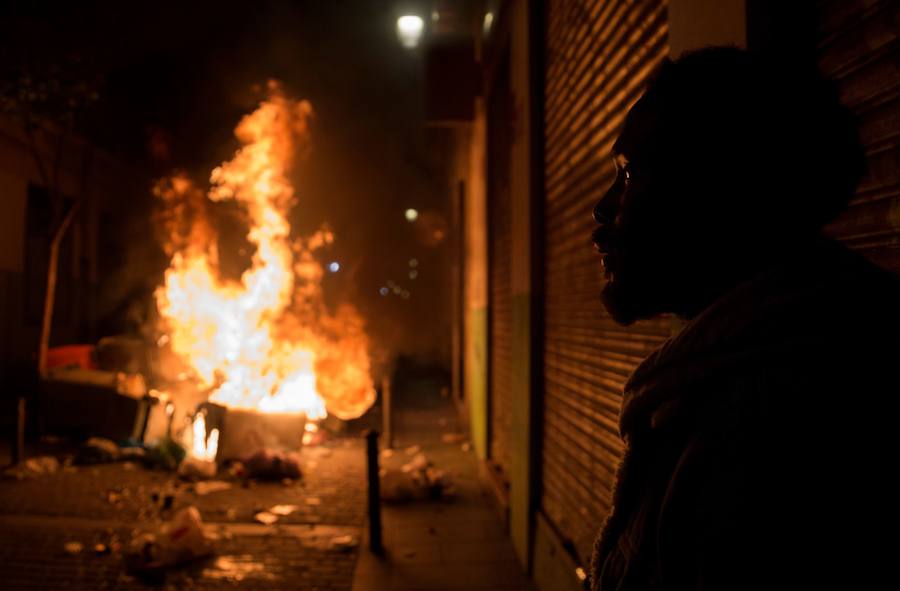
375	544
387	413
19	441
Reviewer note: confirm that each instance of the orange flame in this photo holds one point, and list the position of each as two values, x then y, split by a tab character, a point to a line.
265	342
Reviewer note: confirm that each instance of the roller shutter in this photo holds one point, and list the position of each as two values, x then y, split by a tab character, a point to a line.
599	53
859	47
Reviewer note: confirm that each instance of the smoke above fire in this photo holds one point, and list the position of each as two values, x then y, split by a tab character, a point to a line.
266	341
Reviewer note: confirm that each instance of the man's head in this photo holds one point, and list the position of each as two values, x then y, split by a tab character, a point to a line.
726	159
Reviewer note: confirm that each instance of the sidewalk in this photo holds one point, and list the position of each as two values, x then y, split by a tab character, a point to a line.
440	545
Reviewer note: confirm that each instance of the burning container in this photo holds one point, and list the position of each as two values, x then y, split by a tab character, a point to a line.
266	350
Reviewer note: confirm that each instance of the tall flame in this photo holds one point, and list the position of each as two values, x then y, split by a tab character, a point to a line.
265	342
201	447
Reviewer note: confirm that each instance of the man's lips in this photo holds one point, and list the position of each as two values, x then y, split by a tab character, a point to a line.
600	238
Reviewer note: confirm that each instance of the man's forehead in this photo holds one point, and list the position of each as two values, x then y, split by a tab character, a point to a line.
641	129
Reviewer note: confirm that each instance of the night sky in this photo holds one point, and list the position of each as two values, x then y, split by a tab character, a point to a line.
175	77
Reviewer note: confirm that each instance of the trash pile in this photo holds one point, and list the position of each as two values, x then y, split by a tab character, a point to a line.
414	480
32	468
267	464
182	540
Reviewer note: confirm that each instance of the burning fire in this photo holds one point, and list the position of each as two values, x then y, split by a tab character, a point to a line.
267	341
201	446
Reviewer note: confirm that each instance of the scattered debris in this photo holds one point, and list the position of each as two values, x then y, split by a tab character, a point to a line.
97	450
265	517
313	439
283	510
321	452
267	464
179	541
167	454
114	496
416	480
163	500
413	450
32	467
398	486
387	453
442	421
73	548
344	543
237	470
313	501
466	446
196	469
418	463
232	570
453	437
133	454
204	488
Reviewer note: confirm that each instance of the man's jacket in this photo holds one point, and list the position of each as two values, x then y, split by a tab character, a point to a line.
761	440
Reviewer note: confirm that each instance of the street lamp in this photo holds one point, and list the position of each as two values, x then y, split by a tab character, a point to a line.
409	30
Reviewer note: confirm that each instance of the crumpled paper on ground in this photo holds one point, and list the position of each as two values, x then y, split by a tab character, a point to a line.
179	541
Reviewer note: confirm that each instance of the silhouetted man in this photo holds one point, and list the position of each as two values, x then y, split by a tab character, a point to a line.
760	439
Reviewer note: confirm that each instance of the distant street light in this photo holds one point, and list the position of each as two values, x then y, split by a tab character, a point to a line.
411	215
334	267
409	30
488	22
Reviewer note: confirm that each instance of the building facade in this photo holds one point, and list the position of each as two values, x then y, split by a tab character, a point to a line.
92	249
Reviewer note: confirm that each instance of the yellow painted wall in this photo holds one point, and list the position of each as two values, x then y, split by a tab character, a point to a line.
475	286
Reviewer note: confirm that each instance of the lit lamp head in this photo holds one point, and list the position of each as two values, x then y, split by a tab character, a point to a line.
409	30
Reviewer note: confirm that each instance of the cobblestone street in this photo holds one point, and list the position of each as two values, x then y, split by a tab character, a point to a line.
105	504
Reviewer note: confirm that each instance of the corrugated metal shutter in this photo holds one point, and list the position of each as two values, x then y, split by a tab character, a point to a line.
500	268
859	47
599	54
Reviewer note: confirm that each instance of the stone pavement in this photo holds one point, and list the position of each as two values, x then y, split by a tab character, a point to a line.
440	545
105	504
446	545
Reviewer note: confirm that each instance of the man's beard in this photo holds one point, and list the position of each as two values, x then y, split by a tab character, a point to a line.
627	303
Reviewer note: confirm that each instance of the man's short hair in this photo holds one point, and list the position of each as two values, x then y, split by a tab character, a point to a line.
776	129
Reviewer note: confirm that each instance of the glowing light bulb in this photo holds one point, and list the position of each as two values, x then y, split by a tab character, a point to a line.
411	215
409	30
488	22
334	266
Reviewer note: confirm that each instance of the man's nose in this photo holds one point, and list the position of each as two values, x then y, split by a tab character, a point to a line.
606	209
